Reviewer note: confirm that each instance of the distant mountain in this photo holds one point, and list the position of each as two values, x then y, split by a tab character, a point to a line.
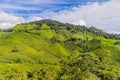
51	50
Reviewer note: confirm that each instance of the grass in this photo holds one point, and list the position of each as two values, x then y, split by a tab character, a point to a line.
26	49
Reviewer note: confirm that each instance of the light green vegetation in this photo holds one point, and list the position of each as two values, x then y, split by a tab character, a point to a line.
50	50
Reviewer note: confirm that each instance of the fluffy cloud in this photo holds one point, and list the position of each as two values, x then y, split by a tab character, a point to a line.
80	22
7	20
104	16
34	18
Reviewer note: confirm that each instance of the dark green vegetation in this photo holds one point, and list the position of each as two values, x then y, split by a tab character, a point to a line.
50	50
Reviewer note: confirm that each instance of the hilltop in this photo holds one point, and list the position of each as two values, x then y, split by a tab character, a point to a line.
51	50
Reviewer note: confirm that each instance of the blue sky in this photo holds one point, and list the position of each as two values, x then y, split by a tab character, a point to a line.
26	8
103	14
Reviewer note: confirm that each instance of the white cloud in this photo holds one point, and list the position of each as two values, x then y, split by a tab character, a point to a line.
34	18
104	16
41	1
80	22
6	6
7	20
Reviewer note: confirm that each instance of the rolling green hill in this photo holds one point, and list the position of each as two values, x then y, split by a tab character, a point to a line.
51	50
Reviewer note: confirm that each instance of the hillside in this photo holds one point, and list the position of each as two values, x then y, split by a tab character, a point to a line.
51	50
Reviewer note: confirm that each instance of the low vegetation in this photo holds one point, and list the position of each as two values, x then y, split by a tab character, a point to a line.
50	50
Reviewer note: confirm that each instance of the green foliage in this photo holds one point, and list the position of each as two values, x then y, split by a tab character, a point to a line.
117	43
88	66
24	27
50	50
99	32
45	27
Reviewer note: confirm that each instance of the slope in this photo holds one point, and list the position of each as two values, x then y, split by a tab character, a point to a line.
42	50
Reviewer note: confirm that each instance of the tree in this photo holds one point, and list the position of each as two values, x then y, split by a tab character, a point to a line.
87	66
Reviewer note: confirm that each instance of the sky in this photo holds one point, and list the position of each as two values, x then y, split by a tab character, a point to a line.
102	14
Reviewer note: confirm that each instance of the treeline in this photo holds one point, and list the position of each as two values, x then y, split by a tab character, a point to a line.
55	25
101	33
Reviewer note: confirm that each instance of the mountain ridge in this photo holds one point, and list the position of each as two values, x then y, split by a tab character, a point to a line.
98	32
